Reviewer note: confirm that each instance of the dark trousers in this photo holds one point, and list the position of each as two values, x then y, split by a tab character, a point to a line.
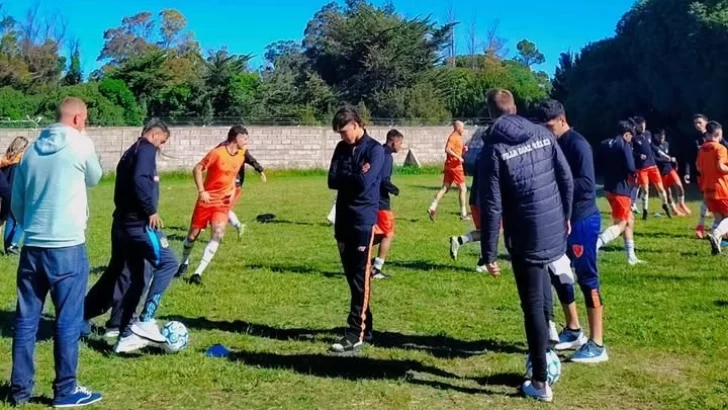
534	284
134	244
108	292
64	273
582	251
355	249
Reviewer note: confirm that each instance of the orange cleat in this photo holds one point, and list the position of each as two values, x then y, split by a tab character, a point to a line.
700	232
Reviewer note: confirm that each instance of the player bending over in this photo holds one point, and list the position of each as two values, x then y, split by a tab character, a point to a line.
216	192
581	242
239	181
712	164
647	172
454	171
620	170
384	229
670	178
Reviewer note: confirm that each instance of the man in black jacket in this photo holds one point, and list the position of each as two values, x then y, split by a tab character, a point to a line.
136	238
384	229
355	172
524	178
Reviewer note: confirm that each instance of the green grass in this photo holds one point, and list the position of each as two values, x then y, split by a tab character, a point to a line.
450	338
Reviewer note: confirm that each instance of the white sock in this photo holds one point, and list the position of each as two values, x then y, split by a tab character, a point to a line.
608	235
466	238
629	247
433	205
233	220
207	256
378	263
703	212
186	251
682	199
722	229
645	201
663	196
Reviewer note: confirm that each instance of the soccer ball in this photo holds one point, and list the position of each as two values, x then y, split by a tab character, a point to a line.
177	336
553	367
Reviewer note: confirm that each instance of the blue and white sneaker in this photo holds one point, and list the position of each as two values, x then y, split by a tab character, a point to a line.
570	339
590	353
531	392
79	398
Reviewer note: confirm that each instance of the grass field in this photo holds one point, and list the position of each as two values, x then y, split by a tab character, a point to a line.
447	338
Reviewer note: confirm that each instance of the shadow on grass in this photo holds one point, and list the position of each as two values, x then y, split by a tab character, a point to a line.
658	235
175	237
97	270
287	222
438	346
422	265
285	268
721	303
45	327
106	348
433	188
639	250
5	392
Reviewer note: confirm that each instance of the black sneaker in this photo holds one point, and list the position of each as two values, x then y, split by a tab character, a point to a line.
378	274
667	210
645	213
13	250
196	279
181	270
347	344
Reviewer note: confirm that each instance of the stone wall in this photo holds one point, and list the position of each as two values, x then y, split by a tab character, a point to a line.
274	147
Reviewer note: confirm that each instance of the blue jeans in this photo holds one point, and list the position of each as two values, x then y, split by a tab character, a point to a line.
13	232
64	273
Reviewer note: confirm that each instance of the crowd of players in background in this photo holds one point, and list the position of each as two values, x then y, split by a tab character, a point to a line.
520	168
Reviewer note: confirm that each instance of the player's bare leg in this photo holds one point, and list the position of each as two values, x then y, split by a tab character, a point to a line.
384	246
463	201
700	229
440	194
629	242
612	232
187	246
235	223
571	316
663	196
218	231
681	199
644	193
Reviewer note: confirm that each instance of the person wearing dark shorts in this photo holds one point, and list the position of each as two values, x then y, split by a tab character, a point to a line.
581	243
355	173
524	179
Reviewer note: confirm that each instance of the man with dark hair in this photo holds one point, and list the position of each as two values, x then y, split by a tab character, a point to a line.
216	192
384	229
582	242
355	172
712	164
524	178
618	176
670	178
137	238
647	172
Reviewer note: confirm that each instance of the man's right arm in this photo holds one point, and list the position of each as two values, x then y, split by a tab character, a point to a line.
93	171
335	170
489	196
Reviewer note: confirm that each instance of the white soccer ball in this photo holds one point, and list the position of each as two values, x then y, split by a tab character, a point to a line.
176	335
553	367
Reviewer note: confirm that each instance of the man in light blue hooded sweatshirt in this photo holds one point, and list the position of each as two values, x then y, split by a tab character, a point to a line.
49	200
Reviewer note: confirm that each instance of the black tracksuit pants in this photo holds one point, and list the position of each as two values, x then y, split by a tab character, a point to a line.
355	248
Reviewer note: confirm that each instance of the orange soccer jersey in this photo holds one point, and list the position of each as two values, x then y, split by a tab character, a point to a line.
713	182
222	168
454	144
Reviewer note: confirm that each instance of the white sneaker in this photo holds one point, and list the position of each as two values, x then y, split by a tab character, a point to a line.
454	247
148	330
130	344
481	269
635	261
111	333
545	394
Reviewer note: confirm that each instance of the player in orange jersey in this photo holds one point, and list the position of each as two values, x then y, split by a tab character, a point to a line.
454	171
216	194
712	164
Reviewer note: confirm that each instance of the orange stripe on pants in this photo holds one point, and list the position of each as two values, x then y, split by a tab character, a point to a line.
367	288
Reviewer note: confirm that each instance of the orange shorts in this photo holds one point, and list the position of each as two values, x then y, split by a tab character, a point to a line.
205	215
475	212
385	224
717	206
671	179
621	206
649	175
454	176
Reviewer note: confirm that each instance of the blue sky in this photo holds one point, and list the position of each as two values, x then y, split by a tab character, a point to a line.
247	26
